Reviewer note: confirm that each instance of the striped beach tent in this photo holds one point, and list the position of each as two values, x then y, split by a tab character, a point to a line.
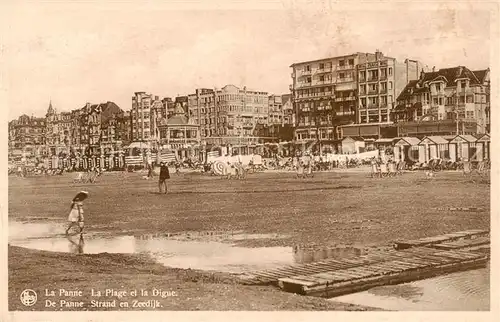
213	154
167	156
134	160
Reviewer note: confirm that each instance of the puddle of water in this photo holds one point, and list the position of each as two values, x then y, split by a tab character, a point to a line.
195	250
460	291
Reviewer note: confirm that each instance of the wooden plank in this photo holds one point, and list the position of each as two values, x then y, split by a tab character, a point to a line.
458	255
290	280
305	278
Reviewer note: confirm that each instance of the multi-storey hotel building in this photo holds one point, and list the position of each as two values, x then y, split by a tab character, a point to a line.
324	96
229	115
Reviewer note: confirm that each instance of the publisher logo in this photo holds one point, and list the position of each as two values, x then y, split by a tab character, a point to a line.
28	297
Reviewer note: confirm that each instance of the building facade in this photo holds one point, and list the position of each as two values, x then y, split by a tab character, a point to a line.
27	135
324	95
228	114
444	102
288	112
58	131
275	110
180	134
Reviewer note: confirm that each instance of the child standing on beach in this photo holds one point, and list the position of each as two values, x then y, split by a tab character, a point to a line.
76	213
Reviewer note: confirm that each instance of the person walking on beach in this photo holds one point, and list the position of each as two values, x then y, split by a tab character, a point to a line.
164	175
76	213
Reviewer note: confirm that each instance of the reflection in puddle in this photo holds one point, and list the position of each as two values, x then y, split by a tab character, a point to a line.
461	291
195	250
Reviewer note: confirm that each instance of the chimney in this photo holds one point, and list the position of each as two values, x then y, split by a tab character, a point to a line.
87	105
433	68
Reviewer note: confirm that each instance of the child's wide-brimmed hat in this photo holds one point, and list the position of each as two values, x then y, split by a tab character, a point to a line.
81	196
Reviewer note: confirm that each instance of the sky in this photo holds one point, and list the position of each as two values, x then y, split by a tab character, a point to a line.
97	51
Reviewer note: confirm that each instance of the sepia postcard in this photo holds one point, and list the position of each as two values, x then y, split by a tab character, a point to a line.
244	160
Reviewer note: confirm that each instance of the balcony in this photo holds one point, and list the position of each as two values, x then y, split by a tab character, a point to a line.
383	91
323	70
362	79
372	92
345	67
383	77
305	72
373	79
345	80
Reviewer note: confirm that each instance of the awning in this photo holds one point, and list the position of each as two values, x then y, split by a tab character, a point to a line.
399	108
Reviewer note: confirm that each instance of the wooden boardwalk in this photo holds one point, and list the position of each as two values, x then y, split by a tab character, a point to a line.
468	234
334	277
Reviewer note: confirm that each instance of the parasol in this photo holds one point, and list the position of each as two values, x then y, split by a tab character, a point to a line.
81	196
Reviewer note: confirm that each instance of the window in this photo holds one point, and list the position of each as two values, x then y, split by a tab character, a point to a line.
351	61
373	101
308	68
390	70
390	85
362	89
322	78
470	114
341	63
435	101
321	66
470	99
308	80
362	75
441	101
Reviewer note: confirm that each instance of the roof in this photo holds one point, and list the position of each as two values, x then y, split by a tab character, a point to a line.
177	120
408	140
384	140
481	74
327	58
467	138
354	138
484	138
433	140
448	75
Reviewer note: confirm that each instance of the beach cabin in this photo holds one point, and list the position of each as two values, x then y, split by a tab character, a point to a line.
351	145
462	147
483	147
383	144
435	147
407	149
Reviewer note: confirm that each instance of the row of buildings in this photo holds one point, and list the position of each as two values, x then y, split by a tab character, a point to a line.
362	95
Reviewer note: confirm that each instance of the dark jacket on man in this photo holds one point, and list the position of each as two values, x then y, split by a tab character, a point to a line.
164	172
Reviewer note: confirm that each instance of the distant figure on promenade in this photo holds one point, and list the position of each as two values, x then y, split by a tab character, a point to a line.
164	176
76	213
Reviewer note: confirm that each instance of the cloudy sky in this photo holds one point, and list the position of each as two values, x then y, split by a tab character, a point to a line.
74	53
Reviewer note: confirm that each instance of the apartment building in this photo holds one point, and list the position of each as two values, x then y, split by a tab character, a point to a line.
141	110
58	131
324	95
229	113
275	110
288	112
447	101
27	134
